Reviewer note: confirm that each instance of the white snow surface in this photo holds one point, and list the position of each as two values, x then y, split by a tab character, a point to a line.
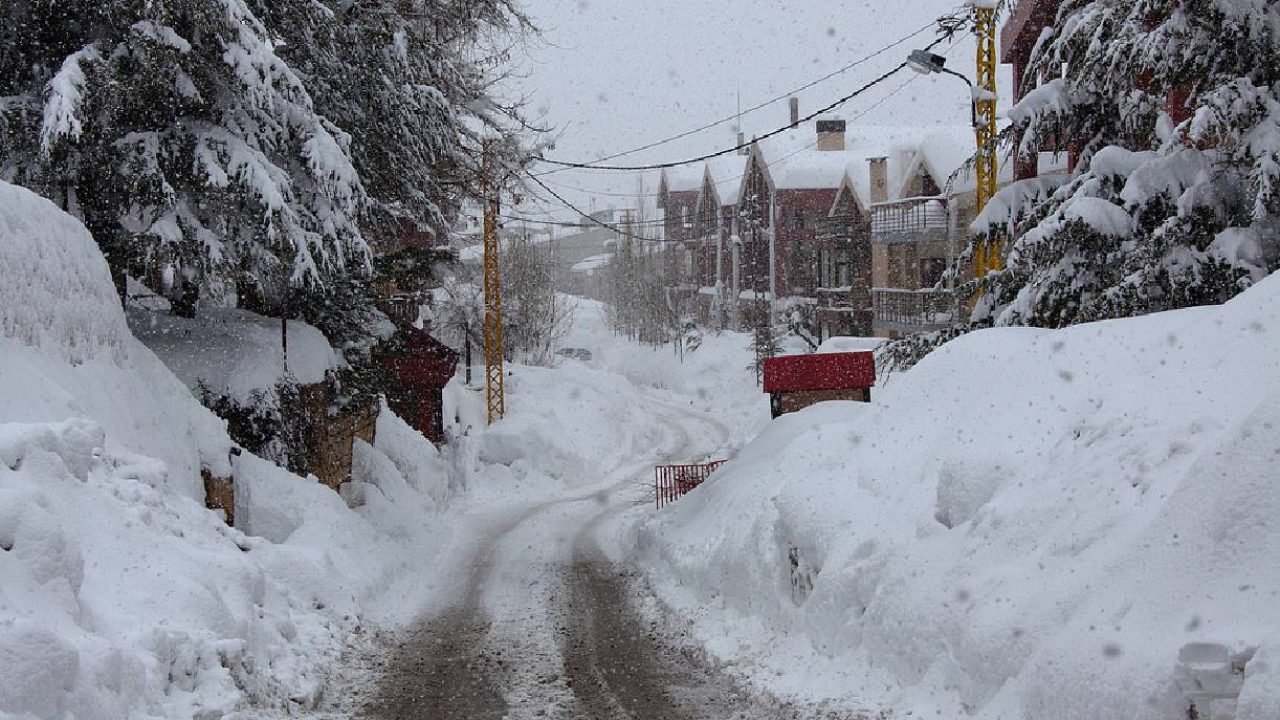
122	596
66	352
1029	524
233	352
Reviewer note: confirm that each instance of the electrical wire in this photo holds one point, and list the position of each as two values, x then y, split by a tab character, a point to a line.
575	208
536	179
946	35
703	158
774	164
766	103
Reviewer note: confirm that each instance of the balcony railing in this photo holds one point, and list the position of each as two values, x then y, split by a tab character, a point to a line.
923	219
912	311
834	297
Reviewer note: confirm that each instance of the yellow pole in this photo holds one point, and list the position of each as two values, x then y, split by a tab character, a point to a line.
495	374
989	258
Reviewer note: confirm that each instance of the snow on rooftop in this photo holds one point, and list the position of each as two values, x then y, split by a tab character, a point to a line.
590	264
234	352
845	344
686	178
725	173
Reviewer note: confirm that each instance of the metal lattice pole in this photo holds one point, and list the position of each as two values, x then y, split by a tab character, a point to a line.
988	258
495	373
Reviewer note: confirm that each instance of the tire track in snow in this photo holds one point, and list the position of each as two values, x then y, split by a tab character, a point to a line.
472	661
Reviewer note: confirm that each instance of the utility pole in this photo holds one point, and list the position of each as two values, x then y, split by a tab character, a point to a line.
495	373
989	258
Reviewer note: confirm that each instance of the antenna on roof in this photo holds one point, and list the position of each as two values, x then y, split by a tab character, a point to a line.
742	135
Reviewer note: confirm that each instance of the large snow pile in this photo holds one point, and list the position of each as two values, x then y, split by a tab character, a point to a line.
120	594
65	350
1081	523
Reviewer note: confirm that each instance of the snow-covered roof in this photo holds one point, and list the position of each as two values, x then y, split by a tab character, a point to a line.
844	344
681	179
793	161
867	142
941	153
724	174
234	352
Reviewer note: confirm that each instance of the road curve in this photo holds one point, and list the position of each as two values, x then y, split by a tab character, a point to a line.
544	625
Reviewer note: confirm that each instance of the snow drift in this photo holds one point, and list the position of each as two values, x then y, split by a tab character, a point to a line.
1030	524
120	594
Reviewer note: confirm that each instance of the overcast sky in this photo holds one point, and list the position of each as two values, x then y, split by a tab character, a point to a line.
611	75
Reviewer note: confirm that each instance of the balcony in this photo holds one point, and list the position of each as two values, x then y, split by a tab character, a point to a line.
913	311
923	219
834	296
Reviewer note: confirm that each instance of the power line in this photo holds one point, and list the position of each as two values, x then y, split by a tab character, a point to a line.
561	223
766	103
775	163
703	158
780	161
574	208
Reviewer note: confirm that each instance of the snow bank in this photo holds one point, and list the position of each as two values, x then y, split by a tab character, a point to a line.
1029	524
120	594
65	350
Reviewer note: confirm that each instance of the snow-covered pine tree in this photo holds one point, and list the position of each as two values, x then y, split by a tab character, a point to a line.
1174	108
411	82
176	132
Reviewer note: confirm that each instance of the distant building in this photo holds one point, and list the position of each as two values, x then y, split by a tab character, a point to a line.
924	201
678	200
1018	38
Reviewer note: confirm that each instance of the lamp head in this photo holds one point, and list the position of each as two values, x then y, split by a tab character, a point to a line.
925	62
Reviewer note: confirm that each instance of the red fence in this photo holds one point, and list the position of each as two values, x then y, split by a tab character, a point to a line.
671	482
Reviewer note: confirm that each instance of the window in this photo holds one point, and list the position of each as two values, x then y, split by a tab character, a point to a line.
844	270
931	270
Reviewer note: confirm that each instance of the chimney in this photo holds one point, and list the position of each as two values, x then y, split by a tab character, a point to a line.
831	135
879	179
742	144
795	113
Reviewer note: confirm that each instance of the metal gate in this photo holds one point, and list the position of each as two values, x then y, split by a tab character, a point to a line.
671	482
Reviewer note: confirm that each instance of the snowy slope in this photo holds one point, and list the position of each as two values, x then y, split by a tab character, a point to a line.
65	349
1029	524
120	594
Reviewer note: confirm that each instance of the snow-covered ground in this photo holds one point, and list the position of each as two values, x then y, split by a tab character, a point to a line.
1029	524
122	596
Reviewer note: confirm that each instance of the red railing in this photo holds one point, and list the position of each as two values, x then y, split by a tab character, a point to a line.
671	482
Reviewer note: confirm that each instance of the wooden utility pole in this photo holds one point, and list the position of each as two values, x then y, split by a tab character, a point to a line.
495	373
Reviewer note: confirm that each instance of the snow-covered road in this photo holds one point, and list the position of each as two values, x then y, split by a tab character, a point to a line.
542	623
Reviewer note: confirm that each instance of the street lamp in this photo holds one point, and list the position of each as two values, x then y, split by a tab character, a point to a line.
927	63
